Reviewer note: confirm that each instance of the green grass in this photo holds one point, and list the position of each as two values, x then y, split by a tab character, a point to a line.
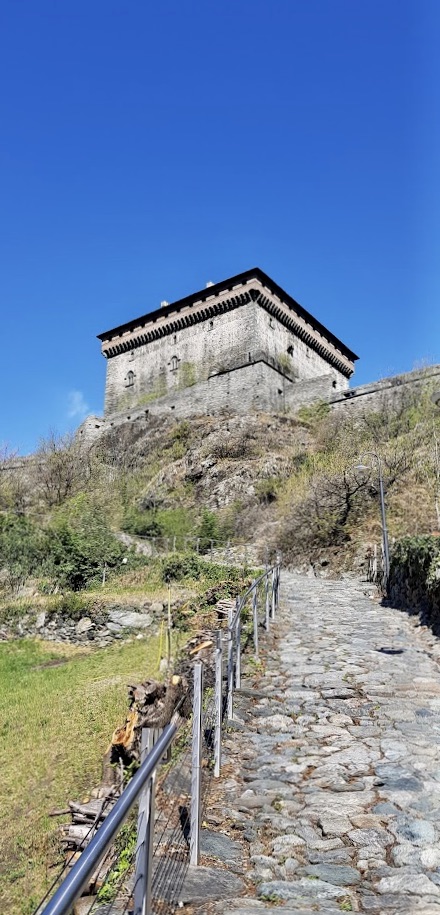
59	706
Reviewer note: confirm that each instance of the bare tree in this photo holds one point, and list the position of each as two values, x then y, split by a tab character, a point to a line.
61	466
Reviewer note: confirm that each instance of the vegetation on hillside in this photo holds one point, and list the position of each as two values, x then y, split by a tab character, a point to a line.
211	481
415	578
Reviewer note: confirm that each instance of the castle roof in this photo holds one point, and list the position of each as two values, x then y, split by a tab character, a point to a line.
252	285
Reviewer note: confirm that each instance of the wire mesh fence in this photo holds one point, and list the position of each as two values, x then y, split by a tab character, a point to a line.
146	873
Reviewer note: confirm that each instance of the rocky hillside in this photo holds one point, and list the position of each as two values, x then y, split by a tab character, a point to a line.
280	480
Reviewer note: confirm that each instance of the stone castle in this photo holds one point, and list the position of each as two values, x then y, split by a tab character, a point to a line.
239	346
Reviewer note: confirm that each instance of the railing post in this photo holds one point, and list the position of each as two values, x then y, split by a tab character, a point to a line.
267	598
272	603
145	831
218	700
196	763
255	617
230	672
238	645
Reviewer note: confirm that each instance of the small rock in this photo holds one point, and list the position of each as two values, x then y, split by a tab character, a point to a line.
370	837
430	857
415	884
334	825
284	845
340	875
83	625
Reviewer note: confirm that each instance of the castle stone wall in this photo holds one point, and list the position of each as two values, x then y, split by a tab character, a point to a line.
181	361
389	392
259	387
251	388
304	361
178	362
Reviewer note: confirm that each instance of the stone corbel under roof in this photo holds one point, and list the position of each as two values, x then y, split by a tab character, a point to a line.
255	286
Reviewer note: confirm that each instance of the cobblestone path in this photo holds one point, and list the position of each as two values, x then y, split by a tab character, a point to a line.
333	767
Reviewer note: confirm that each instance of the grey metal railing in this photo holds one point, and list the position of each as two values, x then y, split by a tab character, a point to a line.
210	709
72	887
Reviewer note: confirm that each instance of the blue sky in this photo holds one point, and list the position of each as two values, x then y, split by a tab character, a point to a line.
148	148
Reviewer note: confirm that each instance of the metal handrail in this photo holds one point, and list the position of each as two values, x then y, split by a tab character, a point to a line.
72	887
241	602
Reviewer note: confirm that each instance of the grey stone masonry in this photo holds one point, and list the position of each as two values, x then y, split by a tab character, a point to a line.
333	761
211	343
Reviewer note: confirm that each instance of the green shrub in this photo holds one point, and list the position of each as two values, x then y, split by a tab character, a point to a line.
208	530
159	522
81	544
414	581
22	549
180	568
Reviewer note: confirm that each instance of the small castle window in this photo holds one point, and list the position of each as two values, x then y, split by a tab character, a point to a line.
210	325
270	322
175	338
130	379
174	364
290	350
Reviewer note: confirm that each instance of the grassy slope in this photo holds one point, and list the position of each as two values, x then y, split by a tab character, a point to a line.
58	709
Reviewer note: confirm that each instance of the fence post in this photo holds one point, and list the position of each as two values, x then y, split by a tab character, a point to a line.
145	830
196	763
238	645
273	595
218	700
278	581
267	598
230	672
255	617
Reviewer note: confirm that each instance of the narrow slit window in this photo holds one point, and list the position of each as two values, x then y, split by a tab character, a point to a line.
174	364
130	379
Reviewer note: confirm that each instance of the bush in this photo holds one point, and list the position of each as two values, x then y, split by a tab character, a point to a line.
414	581
181	568
208	530
81	544
159	522
22	549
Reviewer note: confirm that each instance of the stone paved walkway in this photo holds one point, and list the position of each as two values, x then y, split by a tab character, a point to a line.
333	770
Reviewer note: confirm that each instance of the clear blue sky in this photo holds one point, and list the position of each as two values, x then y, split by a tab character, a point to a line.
147	148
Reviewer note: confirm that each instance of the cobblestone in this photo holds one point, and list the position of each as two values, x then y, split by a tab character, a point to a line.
336	768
